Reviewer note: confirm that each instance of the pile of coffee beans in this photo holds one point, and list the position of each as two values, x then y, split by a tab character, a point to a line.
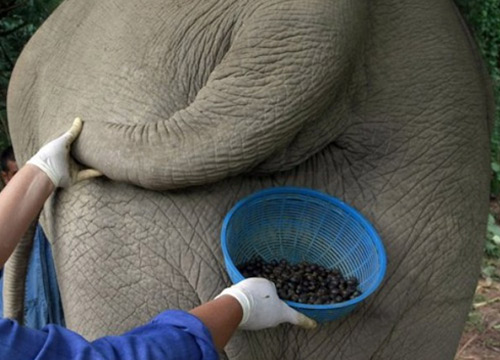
304	282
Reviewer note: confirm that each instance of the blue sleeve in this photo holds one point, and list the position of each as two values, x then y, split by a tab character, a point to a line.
173	334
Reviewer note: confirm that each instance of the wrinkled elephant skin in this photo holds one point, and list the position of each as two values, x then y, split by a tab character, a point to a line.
191	105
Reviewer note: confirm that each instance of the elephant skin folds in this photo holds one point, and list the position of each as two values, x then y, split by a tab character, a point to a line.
191	105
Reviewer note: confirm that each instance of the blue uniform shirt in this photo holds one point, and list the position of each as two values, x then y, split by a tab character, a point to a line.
174	334
42	299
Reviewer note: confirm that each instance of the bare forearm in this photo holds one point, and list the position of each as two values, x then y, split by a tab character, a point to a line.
222	317
20	202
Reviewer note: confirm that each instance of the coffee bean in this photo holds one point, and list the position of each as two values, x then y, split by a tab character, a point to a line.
303	298
322	291
303	282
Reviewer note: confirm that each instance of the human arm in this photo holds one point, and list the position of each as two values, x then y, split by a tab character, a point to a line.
173	334
222	317
20	202
23	197
252	304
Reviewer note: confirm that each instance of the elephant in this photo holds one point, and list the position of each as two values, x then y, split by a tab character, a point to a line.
189	106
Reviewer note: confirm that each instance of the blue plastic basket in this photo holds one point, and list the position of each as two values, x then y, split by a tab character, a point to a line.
299	224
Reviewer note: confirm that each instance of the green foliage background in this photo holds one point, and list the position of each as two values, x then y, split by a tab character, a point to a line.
19	19
483	17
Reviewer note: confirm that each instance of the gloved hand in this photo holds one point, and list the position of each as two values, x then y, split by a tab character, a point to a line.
262	308
54	159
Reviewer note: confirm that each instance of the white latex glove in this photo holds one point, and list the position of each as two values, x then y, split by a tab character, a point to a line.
54	159
262	308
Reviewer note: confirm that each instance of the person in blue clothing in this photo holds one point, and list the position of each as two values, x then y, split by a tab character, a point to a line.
200	333
42	304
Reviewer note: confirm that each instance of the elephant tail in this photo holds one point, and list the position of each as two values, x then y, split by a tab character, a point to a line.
14	278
